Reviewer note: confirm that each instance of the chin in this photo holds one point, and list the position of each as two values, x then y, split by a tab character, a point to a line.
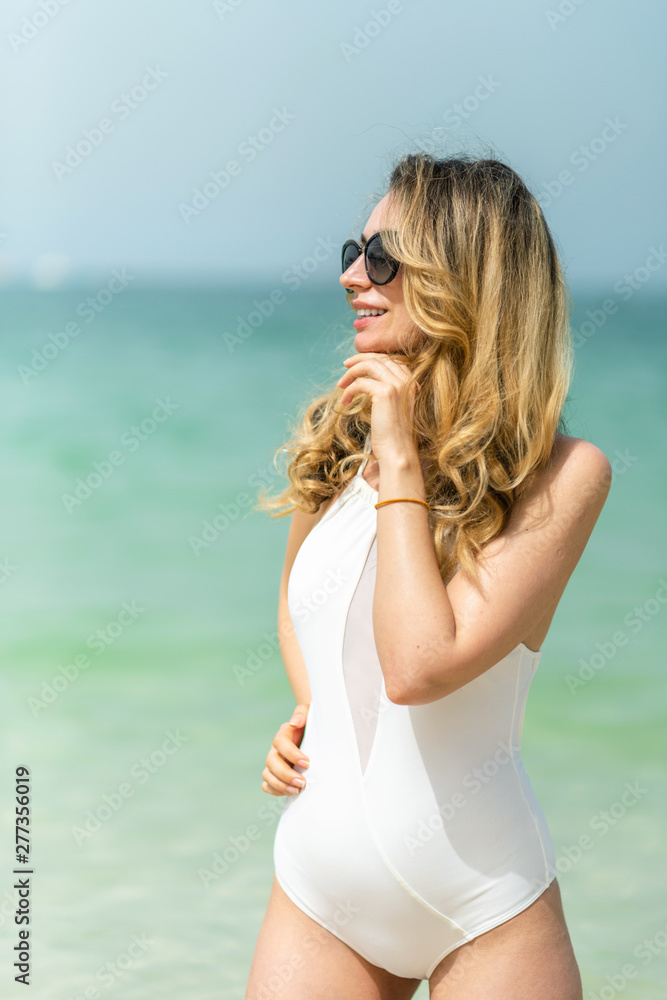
375	343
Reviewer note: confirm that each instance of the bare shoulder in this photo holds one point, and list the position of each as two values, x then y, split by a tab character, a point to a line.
569	491
579	469
585	451
525	568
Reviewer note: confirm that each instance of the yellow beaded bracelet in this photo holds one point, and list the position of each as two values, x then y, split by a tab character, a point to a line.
403	500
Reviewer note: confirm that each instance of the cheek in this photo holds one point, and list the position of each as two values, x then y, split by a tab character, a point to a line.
398	313
401	320
407	332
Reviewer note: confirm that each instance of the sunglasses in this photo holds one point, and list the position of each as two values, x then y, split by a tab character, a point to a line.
381	268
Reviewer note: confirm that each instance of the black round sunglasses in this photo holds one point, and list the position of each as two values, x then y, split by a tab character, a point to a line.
381	268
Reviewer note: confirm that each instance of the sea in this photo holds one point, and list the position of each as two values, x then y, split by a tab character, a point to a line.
141	681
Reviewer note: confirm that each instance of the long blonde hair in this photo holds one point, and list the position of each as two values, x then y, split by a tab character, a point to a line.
483	282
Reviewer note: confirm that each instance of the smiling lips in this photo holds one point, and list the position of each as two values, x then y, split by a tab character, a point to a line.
366	316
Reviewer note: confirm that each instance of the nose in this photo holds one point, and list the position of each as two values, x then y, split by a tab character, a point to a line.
355	274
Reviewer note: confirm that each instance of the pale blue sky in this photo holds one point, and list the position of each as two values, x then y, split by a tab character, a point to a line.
538	86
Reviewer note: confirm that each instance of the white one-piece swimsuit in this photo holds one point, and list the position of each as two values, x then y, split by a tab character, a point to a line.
418	828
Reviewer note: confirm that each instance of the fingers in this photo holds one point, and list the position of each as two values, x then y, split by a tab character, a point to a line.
363	375
278	777
285	744
361	384
299	715
400	368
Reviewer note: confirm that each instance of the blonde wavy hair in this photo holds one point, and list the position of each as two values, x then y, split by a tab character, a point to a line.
483	282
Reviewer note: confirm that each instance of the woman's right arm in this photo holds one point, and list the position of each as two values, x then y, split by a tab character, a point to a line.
279	777
301	524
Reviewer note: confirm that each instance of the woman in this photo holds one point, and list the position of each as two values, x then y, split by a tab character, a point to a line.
417	591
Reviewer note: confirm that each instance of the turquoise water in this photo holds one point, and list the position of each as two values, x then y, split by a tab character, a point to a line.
126	619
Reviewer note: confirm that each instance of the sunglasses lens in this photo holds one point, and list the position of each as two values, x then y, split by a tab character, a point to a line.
380	265
350	254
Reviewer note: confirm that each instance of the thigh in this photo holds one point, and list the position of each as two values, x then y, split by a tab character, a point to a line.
529	957
298	959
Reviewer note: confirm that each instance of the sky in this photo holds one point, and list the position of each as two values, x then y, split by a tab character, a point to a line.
224	141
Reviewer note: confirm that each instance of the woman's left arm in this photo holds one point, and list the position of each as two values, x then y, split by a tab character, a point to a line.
432	639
